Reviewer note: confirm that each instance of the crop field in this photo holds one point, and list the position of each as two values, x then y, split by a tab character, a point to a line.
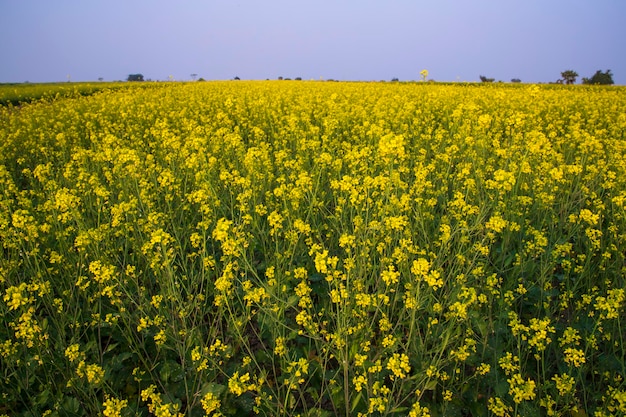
16	94
295	248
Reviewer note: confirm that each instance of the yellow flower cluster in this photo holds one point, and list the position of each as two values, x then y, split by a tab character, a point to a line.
297	370
238	384
564	384
14	296
211	404
93	373
537	333
156	405
113	407
399	366
521	389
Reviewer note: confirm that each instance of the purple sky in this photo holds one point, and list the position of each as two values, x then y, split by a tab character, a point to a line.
533	40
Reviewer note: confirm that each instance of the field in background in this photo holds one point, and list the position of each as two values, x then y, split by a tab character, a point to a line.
315	249
17	94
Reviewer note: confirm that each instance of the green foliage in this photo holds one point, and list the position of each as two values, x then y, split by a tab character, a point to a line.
135	77
569	76
600	78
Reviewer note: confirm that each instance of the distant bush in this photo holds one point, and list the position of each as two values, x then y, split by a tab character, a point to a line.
135	77
568	77
601	78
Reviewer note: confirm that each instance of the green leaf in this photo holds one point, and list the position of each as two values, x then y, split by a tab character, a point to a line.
430	385
42	398
316	277
501	388
71	405
111	347
171	371
217	389
355	402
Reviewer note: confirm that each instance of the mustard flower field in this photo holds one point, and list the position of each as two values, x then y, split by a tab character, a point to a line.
292	248
17	94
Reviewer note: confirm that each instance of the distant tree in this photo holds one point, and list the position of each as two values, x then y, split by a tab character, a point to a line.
280	78
486	80
135	77
201	79
569	76
298	78
193	76
516	80
394	79
602	78
100	79
236	78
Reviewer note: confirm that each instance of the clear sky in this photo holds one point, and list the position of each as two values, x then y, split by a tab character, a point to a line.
533	40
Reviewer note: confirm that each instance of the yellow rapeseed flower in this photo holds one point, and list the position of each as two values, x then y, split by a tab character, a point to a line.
113	407
399	366
564	384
